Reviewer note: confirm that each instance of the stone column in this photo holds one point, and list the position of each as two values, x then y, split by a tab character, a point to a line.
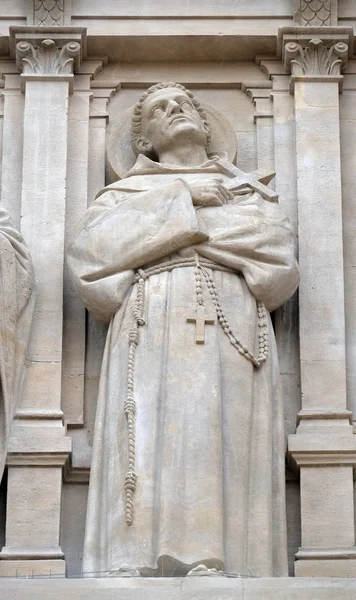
276	146
12	139
260	94
88	116
324	446
39	447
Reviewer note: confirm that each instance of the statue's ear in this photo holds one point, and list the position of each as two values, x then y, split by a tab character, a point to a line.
144	146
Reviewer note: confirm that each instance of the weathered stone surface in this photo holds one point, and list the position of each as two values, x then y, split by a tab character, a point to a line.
172	215
16	310
192	588
230	53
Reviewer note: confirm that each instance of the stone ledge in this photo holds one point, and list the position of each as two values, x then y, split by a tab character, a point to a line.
43	438
195	588
29	568
327	568
10	553
45	78
322	449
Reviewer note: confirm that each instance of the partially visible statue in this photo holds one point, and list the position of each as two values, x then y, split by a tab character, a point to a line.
185	257
16	309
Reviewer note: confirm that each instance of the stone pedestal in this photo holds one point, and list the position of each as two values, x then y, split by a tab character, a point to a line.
190	588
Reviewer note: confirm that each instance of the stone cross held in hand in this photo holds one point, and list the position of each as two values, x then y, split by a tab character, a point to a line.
200	319
257	180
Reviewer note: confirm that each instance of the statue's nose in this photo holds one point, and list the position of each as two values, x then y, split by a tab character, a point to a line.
173	107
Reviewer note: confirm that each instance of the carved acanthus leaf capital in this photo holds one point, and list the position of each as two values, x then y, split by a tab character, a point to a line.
316	58
47	58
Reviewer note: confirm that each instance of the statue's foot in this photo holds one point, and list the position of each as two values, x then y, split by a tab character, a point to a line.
203	571
125	571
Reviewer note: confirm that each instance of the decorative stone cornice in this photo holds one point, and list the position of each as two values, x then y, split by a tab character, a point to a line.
47	58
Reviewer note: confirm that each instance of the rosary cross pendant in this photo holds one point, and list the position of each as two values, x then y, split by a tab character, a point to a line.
200	320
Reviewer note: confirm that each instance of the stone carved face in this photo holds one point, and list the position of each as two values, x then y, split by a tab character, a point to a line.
169	118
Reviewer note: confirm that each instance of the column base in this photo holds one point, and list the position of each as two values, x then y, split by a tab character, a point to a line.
32	568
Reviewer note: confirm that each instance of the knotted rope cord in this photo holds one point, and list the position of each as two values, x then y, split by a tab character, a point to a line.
198	282
130	404
176	263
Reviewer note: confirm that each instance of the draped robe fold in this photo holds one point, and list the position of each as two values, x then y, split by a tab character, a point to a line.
209	426
16	308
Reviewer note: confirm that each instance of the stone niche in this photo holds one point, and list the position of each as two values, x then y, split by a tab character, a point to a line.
283	74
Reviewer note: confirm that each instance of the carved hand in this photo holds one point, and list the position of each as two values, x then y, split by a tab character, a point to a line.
209	192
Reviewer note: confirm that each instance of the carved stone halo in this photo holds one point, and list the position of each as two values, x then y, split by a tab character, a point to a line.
121	158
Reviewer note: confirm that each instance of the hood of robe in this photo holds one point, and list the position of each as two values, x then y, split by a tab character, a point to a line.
137	179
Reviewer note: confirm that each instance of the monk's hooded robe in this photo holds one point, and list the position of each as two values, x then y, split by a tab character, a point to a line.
16	309
209	448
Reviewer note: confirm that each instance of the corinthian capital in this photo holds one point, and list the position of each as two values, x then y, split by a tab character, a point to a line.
315	53
316	58
47	58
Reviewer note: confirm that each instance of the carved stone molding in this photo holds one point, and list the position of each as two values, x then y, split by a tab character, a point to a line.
47	58
103	92
315	53
319	13
322	449
9	553
316	58
37	459
259	93
48	13
41	413
42	44
48	53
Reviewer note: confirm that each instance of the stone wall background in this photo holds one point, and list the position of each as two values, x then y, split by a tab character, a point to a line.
234	73
222	89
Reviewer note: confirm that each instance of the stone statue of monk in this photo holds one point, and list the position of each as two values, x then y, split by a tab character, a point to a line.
185	263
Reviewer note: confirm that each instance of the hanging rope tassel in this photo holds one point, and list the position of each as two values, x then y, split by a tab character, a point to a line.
130	404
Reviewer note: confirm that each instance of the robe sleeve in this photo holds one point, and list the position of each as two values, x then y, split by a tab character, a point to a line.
16	309
254	237
122	232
